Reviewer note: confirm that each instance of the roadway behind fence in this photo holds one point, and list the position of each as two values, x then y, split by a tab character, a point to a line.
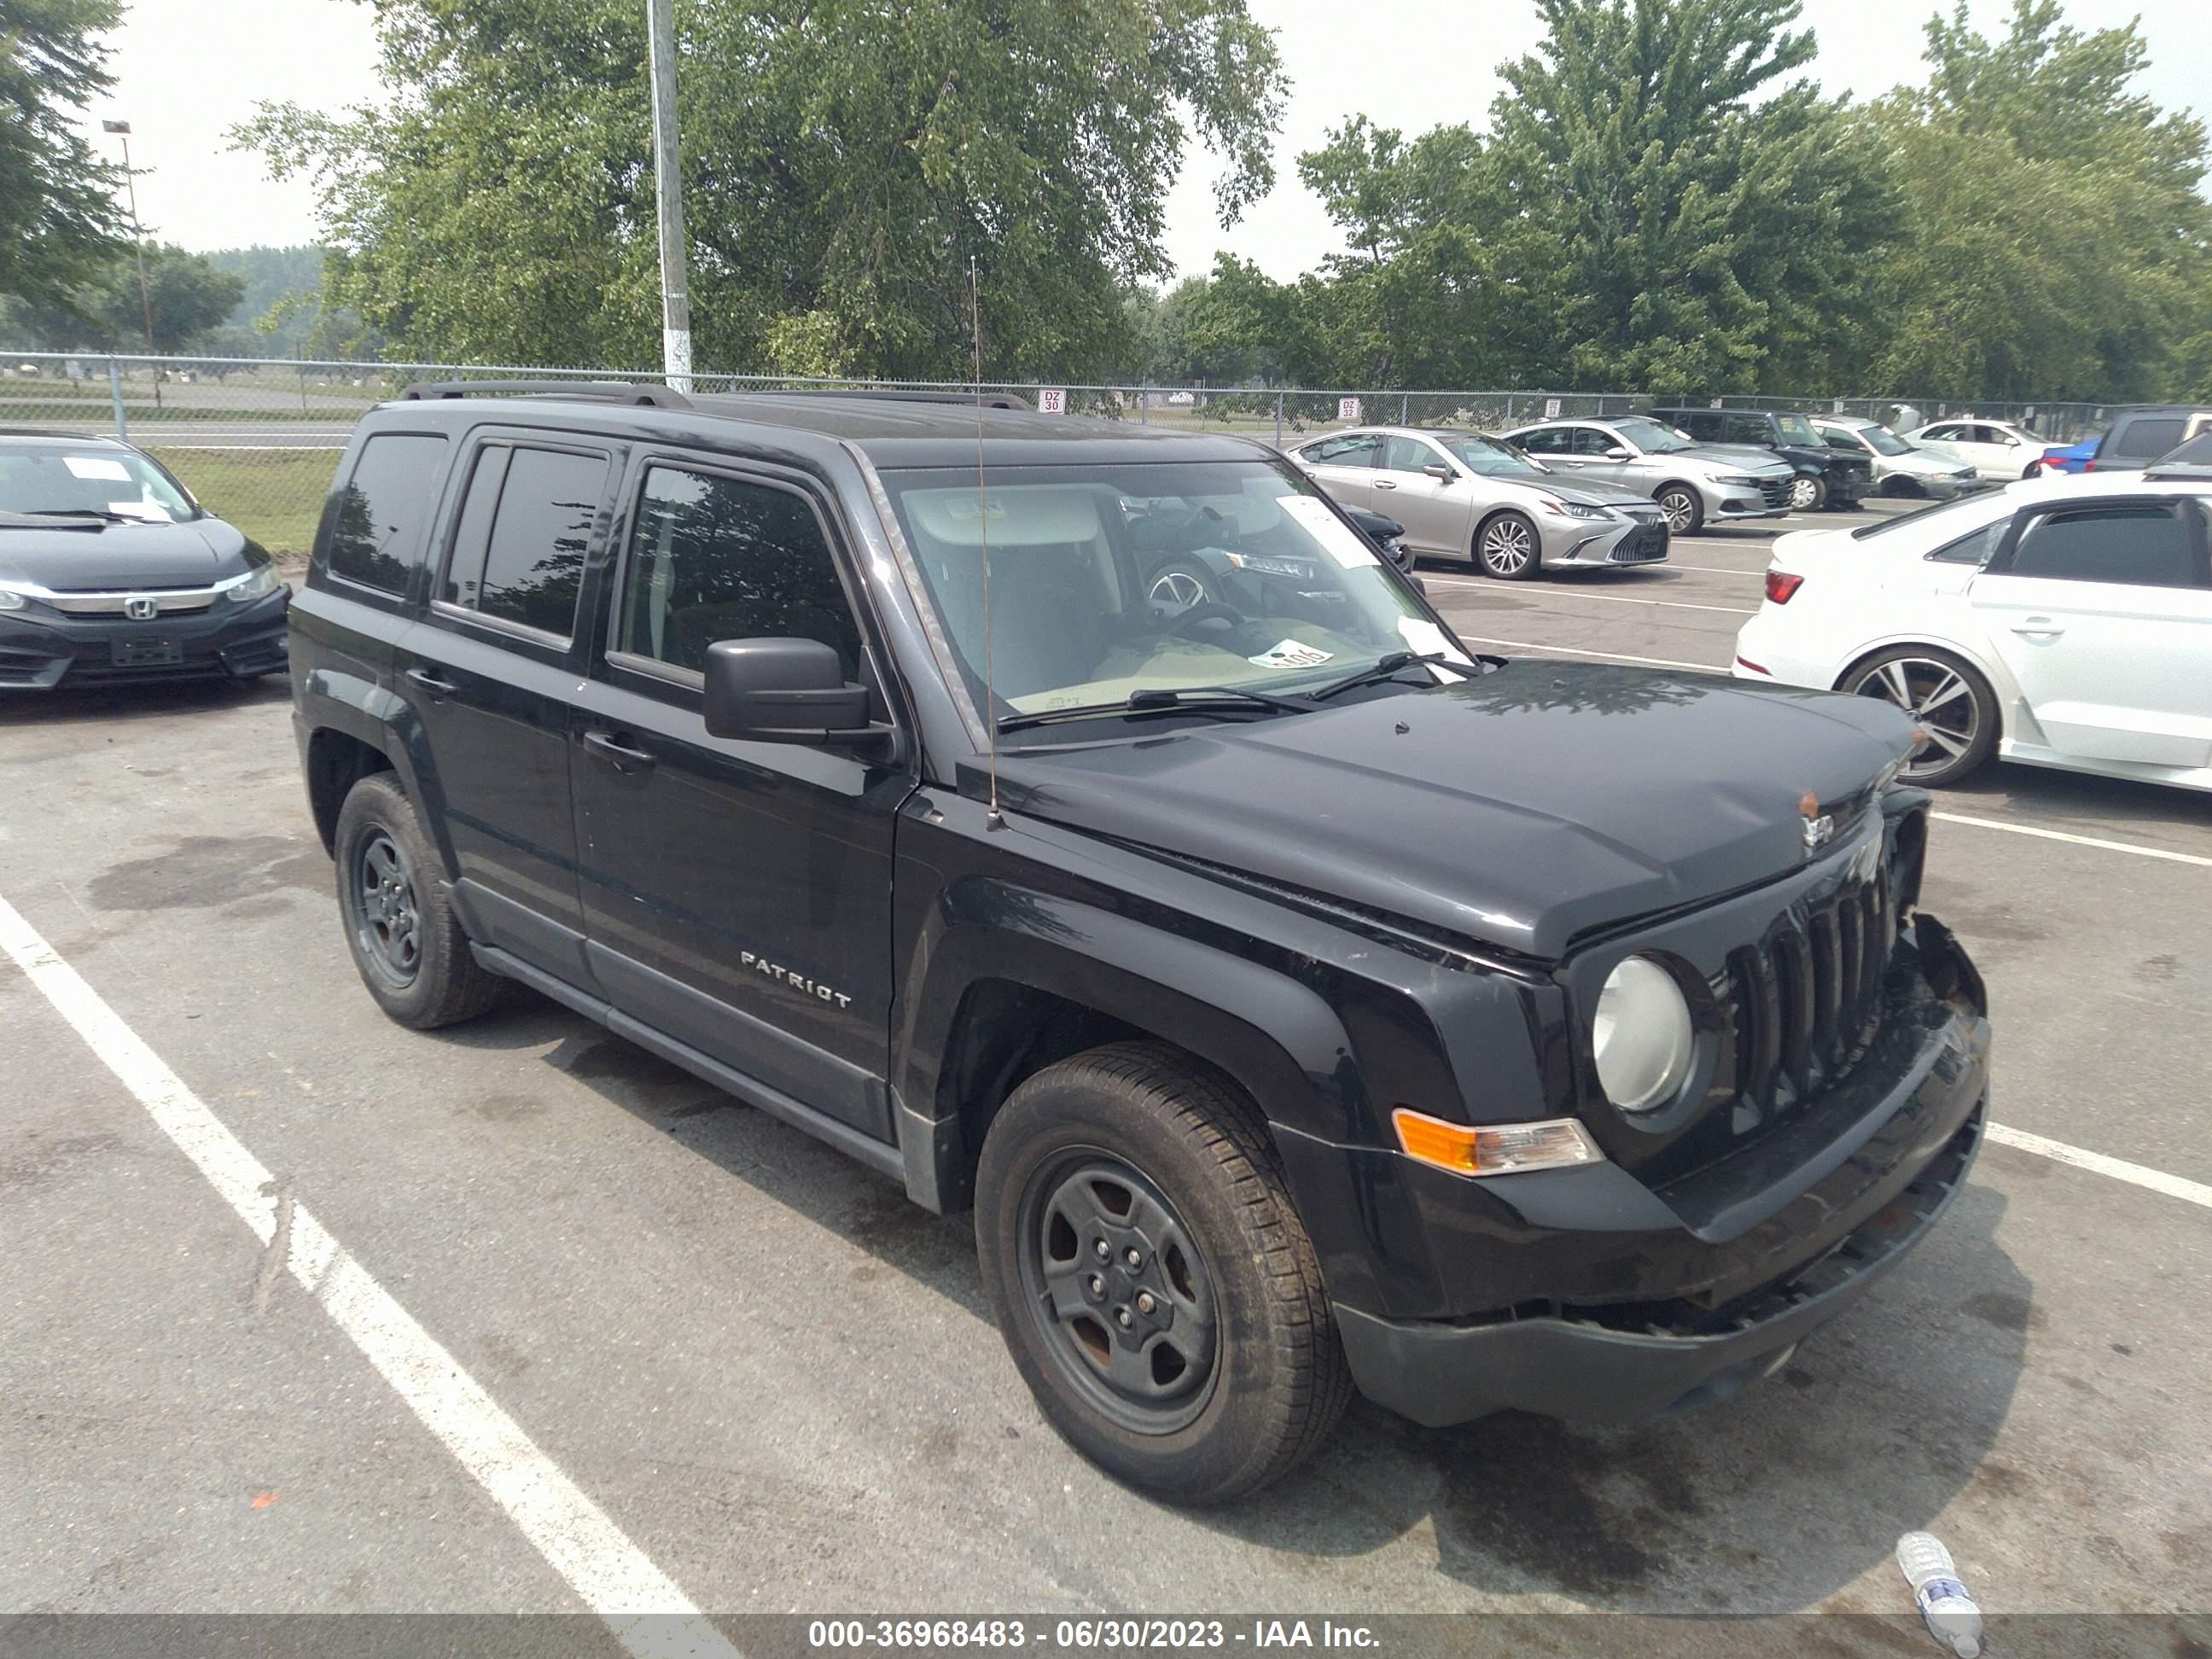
255	441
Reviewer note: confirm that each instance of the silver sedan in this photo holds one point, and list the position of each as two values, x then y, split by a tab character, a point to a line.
1899	468
1461	494
1693	482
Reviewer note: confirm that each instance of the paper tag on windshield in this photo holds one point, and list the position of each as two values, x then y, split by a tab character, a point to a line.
1292	654
1312	513
1425	637
96	466
151	511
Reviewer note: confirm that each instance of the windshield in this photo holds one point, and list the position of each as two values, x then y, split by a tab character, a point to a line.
1651	436
1108	580
1996	504
45	479
1797	430
1489	456
1885	441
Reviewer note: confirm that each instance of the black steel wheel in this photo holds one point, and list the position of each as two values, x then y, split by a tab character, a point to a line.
406	943
1946	698
1151	1278
1507	547
1119	1290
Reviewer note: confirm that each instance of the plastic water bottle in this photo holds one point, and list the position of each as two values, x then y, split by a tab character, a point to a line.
1948	1611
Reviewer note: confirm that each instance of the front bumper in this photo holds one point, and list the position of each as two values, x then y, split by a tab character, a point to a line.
40	650
1585	1294
1731	501
1584	544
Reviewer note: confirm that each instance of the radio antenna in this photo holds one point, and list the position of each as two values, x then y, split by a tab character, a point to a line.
993	820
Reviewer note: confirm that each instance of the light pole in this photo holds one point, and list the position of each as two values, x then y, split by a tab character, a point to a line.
122	130
668	189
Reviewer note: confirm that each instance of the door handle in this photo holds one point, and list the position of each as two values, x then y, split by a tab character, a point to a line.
431	683
2038	628
1385	483
624	758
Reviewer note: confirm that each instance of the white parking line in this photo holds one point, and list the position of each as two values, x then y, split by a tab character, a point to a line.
1607	598
2079	840
1609	656
2173	1186
647	1614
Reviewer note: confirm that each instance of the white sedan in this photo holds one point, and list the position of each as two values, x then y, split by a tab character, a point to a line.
1996	449
2061	622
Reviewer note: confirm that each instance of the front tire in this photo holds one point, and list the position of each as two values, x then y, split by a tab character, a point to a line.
1946	696
1807	494
407	945
1685	511
1509	548
1151	1278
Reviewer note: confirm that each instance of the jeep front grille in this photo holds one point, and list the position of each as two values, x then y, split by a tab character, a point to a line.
1808	999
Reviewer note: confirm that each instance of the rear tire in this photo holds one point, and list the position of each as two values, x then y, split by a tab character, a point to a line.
407	945
1685	511
1509	548
1206	1365
1946	696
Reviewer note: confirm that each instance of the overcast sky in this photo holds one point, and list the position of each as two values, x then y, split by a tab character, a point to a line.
188	68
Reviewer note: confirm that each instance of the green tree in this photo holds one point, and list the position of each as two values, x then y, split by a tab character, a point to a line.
843	162
1675	213
186	295
59	220
2054	243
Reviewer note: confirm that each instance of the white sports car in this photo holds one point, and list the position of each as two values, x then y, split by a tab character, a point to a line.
2062	620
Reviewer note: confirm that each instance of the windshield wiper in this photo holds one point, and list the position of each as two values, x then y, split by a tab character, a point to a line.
1195	699
78	512
1386	668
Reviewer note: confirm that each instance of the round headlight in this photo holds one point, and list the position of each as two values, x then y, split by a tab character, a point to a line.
1643	1038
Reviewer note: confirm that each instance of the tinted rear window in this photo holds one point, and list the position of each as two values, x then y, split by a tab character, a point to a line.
522	560
383	512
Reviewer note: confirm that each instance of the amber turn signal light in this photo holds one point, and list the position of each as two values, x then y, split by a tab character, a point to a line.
1496	1149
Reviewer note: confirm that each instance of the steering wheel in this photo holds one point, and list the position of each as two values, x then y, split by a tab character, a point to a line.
1206	611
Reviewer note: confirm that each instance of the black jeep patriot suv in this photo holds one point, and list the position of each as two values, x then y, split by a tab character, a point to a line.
1300	1000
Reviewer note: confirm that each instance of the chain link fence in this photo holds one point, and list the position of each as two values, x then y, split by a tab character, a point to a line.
257	439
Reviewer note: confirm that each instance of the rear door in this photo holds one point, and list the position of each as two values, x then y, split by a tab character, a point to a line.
2102	612
1344	466
1437	513
737	895
488	673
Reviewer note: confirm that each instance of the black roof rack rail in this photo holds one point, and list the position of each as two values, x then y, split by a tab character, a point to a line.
643	393
893	394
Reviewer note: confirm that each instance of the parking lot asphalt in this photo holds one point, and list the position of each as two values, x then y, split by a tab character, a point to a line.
778	1379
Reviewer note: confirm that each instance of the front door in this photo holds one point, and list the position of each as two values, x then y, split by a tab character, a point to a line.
488	674
737	896
2102	611
1437	513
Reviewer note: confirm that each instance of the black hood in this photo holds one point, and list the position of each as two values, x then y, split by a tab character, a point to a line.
1521	808
81	553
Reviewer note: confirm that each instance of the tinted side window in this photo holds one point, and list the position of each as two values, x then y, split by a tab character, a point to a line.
2147	545
2145	440
1589	440
1976	548
1358	451
1408	455
719	558
1842	441
384	510
1748	429
1698	423
1547	440
523	559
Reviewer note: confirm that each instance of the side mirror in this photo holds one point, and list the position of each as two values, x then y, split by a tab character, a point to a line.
1616	454
1437	470
784	692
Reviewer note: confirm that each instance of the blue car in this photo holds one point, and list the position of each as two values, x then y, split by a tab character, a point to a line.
2074	458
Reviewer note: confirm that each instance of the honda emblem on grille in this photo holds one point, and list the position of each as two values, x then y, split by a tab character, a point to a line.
1819	827
141	609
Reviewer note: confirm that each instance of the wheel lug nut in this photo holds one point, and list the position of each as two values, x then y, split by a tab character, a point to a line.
1103	1249
1097	1285
1122	1317
1134	1258
1145	1303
